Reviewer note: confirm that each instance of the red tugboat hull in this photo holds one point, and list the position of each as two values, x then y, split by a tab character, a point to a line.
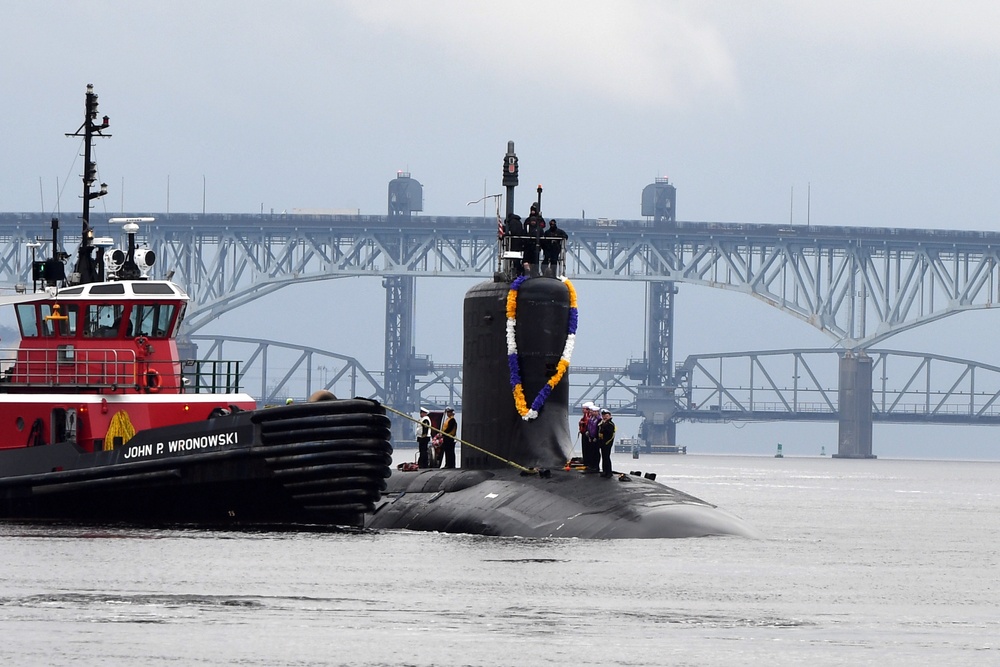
313	463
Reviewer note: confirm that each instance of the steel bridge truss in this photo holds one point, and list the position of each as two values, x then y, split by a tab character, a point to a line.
765	385
802	385
858	288
858	285
273	372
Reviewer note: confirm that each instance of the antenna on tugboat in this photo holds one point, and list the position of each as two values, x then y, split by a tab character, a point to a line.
53	270
131	264
88	268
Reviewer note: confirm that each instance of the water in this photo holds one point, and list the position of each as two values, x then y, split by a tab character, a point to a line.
866	562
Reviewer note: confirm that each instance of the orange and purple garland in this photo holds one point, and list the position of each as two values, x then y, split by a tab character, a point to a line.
520	403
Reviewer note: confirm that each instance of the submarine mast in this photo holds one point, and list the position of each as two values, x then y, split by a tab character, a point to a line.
490	416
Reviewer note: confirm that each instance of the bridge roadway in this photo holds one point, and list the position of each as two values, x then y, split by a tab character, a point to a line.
857	285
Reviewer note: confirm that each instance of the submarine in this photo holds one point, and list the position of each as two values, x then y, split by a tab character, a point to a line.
515	477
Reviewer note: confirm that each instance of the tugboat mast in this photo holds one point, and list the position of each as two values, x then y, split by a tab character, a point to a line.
88	268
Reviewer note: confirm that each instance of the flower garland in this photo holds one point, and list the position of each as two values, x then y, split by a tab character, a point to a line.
527	414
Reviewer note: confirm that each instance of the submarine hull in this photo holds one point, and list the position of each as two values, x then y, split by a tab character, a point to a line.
512	481
566	504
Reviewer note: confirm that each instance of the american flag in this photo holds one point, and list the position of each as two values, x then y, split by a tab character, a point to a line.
499	227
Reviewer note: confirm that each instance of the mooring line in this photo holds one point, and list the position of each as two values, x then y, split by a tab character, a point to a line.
465	443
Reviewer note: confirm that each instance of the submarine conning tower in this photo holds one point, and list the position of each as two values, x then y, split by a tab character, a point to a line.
490	418
519	335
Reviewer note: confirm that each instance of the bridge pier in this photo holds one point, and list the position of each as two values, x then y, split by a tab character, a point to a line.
400	297
658	407
659	433
855	401
655	399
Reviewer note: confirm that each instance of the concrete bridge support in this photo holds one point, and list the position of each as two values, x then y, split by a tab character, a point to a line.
855	431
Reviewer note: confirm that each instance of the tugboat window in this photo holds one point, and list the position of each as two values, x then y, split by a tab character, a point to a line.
71	312
113	288
152	321
62	321
152	288
28	319
103	320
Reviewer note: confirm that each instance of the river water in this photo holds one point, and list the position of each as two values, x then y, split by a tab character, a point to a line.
865	562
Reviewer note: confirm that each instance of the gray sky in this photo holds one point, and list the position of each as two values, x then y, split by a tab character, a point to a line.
888	109
885	111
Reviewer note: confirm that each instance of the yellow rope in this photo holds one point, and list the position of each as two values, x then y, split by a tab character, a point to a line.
120	426
464	443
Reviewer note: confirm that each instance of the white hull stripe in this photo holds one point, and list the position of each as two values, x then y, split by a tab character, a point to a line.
117	399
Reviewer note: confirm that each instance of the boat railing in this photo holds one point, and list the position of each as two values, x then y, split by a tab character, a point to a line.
67	365
210	376
104	368
544	255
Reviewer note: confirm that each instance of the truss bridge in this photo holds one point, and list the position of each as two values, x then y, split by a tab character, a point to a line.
859	286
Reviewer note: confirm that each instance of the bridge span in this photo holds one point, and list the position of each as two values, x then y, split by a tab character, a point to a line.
858	286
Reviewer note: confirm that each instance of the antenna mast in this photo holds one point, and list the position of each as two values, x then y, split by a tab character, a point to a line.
88	268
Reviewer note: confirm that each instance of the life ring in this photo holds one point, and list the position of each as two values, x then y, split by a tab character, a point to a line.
152	380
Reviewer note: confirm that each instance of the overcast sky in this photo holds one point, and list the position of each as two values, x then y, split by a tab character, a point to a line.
885	112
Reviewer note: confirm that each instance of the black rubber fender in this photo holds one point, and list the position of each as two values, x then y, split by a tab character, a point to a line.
328	471
368	469
357	508
292	448
330	433
319	421
337	483
342	456
326	497
296	410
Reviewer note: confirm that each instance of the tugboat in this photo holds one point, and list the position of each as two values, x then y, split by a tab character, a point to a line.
101	419
516	477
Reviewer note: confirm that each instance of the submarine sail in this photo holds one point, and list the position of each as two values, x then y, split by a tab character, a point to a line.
515	479
490	416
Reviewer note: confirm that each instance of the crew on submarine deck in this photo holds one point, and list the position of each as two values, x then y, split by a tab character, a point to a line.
606	440
449	430
423	437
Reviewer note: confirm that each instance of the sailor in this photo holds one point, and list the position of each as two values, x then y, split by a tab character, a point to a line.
534	225
582	432
585	443
552	245
588	436
605	440
450	429
515	234
423	437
